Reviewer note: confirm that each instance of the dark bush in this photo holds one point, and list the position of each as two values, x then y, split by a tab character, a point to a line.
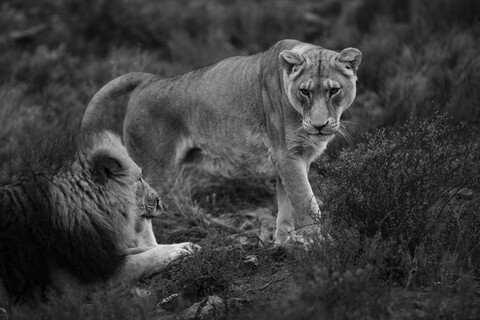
413	185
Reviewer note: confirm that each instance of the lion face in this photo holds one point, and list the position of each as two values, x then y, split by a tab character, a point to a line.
148	200
148	206
121	179
119	174
320	85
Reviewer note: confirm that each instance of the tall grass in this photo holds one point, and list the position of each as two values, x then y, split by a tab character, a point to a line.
419	55
401	201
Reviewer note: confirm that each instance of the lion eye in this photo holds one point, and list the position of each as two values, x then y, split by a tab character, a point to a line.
305	92
333	90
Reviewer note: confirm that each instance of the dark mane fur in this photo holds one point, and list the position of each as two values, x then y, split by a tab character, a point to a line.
33	234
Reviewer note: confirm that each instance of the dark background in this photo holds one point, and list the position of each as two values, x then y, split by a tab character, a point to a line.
54	55
401	195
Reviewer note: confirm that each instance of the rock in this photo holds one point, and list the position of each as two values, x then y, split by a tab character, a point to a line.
463	193
250	263
170	303
251	259
3	314
212	305
142	293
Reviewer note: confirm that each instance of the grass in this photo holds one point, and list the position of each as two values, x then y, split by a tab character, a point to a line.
401	198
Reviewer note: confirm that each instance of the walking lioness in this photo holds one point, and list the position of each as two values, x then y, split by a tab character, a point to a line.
268	114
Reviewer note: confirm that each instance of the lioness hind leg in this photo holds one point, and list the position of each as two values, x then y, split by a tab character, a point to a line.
155	147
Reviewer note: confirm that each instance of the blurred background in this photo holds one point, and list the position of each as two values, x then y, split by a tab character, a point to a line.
402	201
418	56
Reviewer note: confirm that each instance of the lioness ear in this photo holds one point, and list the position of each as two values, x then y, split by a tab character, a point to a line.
351	56
105	166
290	59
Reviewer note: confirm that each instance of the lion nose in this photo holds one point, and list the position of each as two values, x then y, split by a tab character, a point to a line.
153	204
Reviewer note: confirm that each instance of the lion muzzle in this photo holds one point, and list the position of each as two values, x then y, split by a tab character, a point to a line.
153	206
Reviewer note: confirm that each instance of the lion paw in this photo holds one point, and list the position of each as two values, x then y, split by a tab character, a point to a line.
179	250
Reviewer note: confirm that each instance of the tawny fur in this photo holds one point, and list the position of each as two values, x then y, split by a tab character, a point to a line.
243	116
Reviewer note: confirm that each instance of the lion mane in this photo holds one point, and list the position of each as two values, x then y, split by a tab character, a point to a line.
75	205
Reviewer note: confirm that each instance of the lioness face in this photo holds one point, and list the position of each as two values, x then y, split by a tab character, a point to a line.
320	85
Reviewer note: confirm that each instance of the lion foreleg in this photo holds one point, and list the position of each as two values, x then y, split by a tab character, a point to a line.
143	264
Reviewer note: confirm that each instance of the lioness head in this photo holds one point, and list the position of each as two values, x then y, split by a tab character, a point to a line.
320	85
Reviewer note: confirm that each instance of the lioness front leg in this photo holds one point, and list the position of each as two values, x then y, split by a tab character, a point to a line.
285	221
297	206
146	262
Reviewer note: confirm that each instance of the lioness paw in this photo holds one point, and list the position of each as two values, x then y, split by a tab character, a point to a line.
295	239
304	238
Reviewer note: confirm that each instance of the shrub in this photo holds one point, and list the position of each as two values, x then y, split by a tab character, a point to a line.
413	186
119	305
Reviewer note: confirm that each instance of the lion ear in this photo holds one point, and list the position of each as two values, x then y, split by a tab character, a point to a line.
351	56
105	166
290	59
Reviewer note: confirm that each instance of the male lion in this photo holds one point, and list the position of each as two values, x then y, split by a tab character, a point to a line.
268	114
75	214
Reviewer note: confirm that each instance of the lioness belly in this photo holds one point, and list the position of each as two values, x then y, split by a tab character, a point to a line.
232	160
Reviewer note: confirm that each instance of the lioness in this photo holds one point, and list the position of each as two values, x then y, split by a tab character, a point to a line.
268	114
75	214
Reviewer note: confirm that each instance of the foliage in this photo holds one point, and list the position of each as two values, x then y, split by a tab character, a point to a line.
401	203
412	185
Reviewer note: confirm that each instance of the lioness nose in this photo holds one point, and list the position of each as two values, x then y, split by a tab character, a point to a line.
319	127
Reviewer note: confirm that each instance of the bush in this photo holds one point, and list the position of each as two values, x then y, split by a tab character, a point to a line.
402	205
119	305
414	186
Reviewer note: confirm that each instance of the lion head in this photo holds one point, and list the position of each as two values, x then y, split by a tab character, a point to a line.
320	84
72	203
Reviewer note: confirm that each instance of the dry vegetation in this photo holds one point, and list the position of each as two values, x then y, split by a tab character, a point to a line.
401	198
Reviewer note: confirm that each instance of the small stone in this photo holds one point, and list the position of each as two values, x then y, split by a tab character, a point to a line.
251	261
170	303
3	314
142	293
212	305
462	193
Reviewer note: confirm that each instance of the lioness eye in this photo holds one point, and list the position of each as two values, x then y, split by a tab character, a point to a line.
333	90
305	92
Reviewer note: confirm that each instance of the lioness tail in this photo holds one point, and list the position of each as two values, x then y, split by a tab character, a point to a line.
115	88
